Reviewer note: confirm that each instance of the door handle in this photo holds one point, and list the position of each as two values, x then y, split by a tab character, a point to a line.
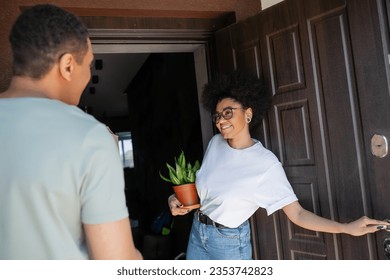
379	146
386	245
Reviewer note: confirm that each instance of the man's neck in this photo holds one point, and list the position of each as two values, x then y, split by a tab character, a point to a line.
26	87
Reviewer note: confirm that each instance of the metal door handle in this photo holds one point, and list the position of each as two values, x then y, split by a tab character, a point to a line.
386	245
383	227
379	146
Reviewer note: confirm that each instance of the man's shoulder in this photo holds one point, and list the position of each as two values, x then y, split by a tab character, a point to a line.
70	113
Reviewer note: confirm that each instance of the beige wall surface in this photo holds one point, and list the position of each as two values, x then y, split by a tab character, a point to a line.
10	9
268	3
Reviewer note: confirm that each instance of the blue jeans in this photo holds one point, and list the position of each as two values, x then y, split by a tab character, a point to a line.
208	242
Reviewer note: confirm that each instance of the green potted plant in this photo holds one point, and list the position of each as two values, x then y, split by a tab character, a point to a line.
182	176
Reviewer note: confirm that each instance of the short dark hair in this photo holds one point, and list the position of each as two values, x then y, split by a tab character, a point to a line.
244	88
41	34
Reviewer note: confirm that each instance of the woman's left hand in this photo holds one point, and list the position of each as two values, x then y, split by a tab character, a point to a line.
176	206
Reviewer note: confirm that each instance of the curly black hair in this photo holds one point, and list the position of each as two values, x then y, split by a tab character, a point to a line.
244	88
41	34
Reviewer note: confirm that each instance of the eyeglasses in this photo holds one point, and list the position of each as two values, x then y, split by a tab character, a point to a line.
227	114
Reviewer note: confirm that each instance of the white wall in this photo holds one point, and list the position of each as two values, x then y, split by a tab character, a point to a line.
268	3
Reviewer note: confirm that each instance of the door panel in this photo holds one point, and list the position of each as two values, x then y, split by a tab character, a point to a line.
294	127
337	105
285	60
247	57
224	52
326	63
370	41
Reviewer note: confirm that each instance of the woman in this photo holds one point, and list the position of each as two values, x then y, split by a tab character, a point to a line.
238	175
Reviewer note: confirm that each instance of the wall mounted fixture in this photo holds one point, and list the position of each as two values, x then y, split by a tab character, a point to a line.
95	79
98	64
92	90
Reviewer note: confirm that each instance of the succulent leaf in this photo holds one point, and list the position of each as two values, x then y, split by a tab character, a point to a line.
196	166
174	178
179	172
182	160
170	168
164	178
192	177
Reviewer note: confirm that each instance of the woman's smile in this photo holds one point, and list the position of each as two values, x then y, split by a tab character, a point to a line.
225	126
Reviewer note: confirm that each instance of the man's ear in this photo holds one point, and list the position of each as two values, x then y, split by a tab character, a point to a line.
66	66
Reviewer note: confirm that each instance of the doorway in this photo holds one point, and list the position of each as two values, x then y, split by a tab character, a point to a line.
199	51
164	116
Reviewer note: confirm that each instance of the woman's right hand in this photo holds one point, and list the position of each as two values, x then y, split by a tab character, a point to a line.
176	206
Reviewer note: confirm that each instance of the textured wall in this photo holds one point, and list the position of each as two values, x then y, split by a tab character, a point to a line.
10	9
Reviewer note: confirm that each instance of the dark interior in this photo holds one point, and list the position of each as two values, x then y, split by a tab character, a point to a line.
163	120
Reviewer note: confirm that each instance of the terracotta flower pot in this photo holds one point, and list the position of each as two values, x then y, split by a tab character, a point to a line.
187	195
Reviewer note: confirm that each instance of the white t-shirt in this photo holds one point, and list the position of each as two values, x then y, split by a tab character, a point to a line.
59	168
233	183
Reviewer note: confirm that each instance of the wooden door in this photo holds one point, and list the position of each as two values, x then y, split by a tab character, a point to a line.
295	129
330	86
369	29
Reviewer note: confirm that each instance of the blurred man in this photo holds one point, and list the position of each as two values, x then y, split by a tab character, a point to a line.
61	178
